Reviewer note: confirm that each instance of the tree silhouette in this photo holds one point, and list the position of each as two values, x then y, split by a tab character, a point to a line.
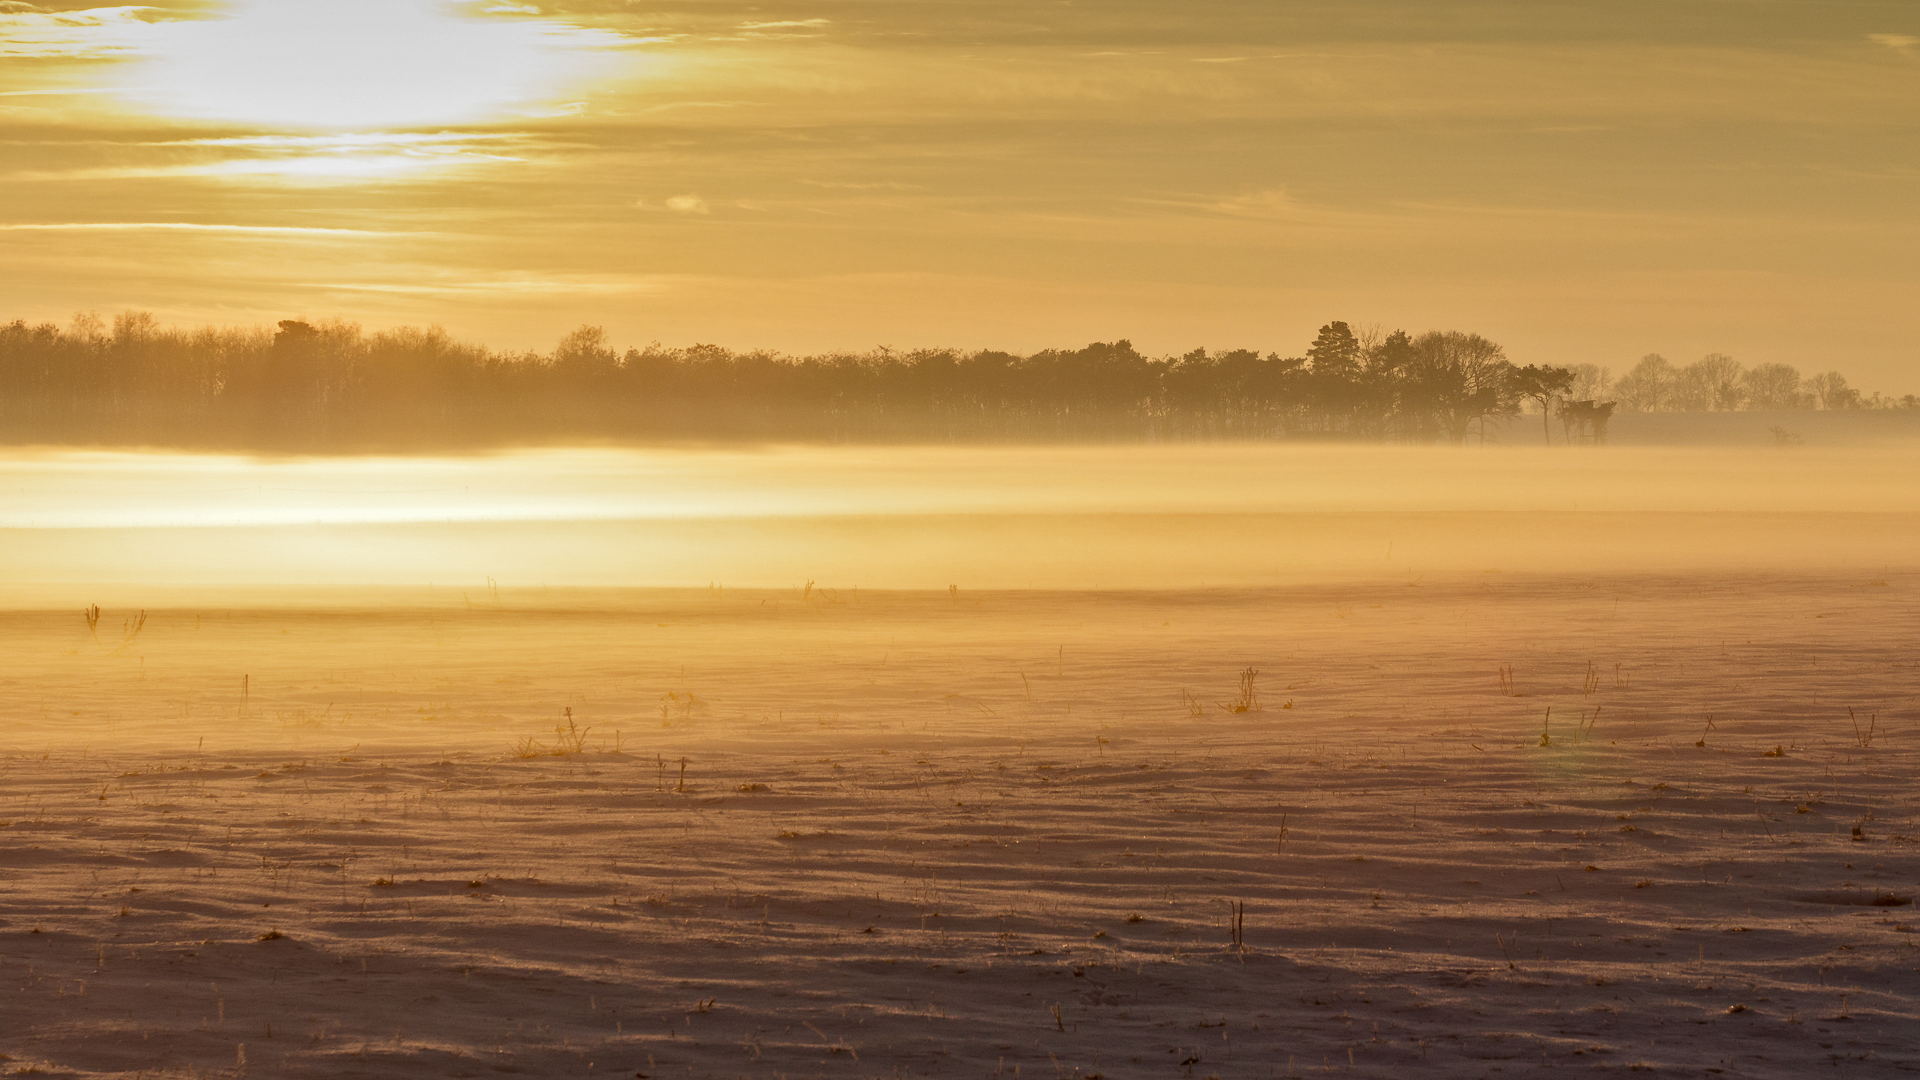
1648	387
1709	384
1542	385
1832	392
330	386
1773	386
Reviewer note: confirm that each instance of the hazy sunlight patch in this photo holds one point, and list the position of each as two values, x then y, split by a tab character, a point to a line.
364	64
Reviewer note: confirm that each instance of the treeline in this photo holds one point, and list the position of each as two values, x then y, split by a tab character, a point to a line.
1718	383
331	386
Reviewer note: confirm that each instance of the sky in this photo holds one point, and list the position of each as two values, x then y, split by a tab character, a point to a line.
1582	182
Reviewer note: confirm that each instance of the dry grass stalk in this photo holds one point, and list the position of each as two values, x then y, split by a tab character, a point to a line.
129	630
570	739
834	1046
1864	738
1249	699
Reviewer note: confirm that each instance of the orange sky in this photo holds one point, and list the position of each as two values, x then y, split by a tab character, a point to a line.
1582	182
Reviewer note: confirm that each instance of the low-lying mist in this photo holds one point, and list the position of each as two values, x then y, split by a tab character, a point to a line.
930	517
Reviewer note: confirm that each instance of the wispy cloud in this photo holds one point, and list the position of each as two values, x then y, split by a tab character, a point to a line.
863	185
61	92
1272	204
355	141
688	204
511	286
91	33
786	24
320	157
778	30
1900	43
307	167
188	226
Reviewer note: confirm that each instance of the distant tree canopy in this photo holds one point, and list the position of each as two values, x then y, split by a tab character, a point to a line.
1717	383
331	386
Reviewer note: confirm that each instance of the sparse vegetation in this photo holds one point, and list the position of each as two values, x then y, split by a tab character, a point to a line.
130	628
961	858
1863	738
1248	700
568	740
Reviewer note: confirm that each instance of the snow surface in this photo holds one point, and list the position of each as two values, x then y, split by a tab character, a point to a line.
971	834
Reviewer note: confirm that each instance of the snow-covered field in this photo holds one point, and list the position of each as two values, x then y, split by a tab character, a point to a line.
971	834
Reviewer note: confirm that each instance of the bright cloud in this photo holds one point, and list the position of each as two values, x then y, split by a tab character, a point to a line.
185	226
785	24
90	34
365	64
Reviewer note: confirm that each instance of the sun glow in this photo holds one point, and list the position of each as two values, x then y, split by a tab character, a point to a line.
366	64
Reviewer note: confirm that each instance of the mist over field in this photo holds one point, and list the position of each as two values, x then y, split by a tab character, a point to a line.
96	523
951	760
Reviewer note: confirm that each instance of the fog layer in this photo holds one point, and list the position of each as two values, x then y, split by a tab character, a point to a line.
932	517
